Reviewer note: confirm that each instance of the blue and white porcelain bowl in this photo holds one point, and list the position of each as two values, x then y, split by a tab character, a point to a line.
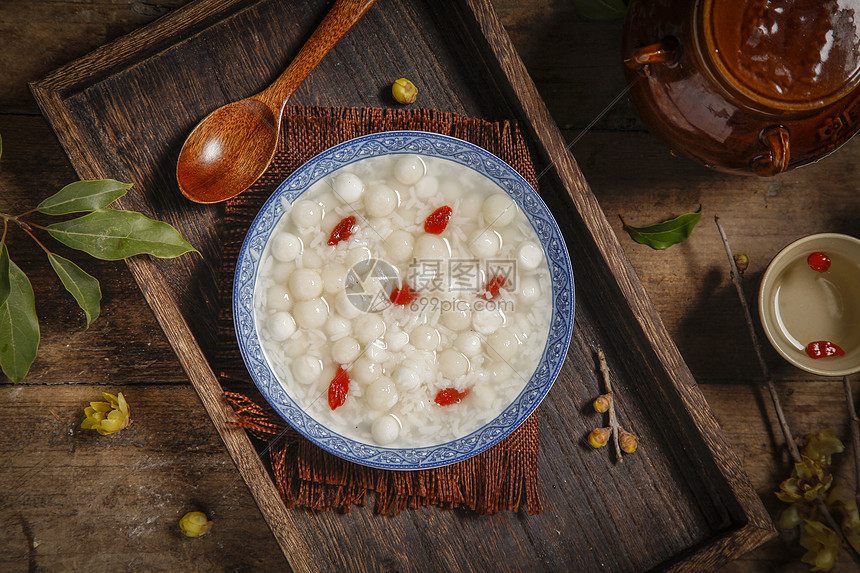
297	368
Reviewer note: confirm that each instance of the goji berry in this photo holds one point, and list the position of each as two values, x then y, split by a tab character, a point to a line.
491	291
436	223
450	396
343	230
822	348
338	388
403	295
818	262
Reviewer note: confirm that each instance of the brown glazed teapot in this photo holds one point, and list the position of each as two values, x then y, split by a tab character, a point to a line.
746	86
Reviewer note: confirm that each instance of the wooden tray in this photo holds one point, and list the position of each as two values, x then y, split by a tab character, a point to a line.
681	502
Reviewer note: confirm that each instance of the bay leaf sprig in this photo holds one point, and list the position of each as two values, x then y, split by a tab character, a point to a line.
101	232
664	235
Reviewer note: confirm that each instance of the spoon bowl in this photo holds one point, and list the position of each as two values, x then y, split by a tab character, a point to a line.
232	147
228	151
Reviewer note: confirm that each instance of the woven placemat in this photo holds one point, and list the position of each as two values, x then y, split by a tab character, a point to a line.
503	478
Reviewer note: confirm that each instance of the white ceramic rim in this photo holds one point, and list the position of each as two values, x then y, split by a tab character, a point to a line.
764	301
429	144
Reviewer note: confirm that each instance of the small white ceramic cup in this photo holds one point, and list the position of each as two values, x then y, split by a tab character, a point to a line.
799	305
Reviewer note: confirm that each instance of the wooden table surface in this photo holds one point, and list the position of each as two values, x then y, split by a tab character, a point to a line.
72	499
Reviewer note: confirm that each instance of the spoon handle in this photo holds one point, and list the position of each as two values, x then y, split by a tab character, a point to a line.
339	20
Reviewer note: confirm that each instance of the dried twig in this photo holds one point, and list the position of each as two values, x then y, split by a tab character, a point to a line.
737	279
613	417
854	423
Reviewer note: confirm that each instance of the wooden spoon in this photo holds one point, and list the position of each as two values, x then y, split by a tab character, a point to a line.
232	146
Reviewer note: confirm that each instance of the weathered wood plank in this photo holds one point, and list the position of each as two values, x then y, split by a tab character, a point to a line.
574	64
74	500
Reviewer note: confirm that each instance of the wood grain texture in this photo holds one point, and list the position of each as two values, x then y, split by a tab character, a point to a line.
575	65
91	105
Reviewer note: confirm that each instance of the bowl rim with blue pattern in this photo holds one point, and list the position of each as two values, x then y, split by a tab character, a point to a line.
433	145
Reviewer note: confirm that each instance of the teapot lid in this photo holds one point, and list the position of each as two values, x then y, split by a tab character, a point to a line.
785	54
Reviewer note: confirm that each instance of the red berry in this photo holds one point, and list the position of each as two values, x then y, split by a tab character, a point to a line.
491	291
823	348
338	388
818	262
403	295
342	231
438	220
450	396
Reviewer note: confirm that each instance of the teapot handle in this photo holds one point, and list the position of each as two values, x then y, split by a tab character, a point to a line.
666	51
775	138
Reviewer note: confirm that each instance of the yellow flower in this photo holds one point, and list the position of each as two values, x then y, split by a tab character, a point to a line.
195	524
822	445
107	417
806	483
821	544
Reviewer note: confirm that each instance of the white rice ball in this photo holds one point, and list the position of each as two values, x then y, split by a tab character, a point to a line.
345	350
396	339
407	377
499	210
306	369
278	298
364	370
470	206
305	284
380	200
281	326
458	318
311	313
382	394
385	429
485	243
348	187
452	364
425	337
376	352
399	246
431	247
427	187
345	307
306	213
355	256
529	255
488	320
286	247
337	326
469	343
504	344
409	169
369	327
333	277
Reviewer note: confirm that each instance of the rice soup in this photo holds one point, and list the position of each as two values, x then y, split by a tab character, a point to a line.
403	301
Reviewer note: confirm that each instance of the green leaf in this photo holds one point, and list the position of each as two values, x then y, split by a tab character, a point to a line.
4	273
80	284
19	326
83	196
665	234
113	234
601	9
